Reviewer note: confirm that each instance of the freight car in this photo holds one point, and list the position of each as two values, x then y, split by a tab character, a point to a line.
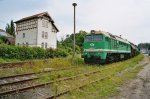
101	47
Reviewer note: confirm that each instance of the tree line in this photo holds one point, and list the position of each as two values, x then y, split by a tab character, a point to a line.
144	46
10	28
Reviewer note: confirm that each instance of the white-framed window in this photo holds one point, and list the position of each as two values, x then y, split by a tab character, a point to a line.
45	45
42	45
27	44
42	34
23	35
46	35
53	29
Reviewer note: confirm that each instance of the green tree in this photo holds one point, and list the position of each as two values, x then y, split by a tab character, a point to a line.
10	28
67	43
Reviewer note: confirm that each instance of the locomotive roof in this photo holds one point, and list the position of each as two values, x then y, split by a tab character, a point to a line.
112	36
133	46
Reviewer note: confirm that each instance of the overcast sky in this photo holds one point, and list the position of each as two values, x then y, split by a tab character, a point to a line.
129	18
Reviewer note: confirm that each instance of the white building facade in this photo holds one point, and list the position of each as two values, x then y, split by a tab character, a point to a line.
36	31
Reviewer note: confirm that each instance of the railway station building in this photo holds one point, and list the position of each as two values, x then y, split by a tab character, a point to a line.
36	31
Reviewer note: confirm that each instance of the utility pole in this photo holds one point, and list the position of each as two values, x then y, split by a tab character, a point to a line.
74	5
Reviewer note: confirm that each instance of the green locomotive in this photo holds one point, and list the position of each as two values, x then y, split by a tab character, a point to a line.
101	47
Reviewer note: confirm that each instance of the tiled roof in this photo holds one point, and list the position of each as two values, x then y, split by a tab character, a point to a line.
37	16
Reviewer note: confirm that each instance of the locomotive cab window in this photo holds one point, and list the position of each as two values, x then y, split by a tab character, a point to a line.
97	37
88	38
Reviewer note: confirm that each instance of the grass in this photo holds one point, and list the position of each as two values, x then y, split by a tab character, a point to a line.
2	60
36	66
65	73
101	89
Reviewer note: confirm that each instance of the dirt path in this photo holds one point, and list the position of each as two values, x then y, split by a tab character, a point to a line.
140	87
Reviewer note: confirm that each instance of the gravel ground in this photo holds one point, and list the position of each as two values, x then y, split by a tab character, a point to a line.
138	88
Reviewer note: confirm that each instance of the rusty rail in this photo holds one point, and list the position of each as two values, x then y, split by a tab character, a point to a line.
41	85
14	64
28	74
67	91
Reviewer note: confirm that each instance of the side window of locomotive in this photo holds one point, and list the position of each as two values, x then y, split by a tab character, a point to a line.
88	38
97	37
107	39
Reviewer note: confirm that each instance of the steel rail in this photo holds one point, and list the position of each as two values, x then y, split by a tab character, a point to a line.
41	85
28	74
20	81
14	64
26	80
67	91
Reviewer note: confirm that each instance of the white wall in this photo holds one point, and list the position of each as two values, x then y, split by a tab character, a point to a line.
51	40
34	36
30	37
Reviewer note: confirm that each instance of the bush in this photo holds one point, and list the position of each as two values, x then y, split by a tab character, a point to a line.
61	53
2	39
24	53
50	53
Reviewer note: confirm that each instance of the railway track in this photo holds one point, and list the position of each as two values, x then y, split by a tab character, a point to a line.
81	86
44	84
17	64
12	65
22	79
14	79
52	96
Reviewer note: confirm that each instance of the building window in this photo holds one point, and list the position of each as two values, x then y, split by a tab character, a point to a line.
42	45
45	45
27	44
42	34
23	35
18	44
46	35
45	23
53	30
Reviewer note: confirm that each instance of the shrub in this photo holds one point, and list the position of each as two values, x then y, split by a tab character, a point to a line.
50	53
24	53
61	53
39	53
2	39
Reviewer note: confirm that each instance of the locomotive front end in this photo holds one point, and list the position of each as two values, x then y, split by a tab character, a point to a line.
93	48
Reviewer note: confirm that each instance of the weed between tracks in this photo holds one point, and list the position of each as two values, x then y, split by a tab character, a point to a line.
2	60
104	88
37	66
101	89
